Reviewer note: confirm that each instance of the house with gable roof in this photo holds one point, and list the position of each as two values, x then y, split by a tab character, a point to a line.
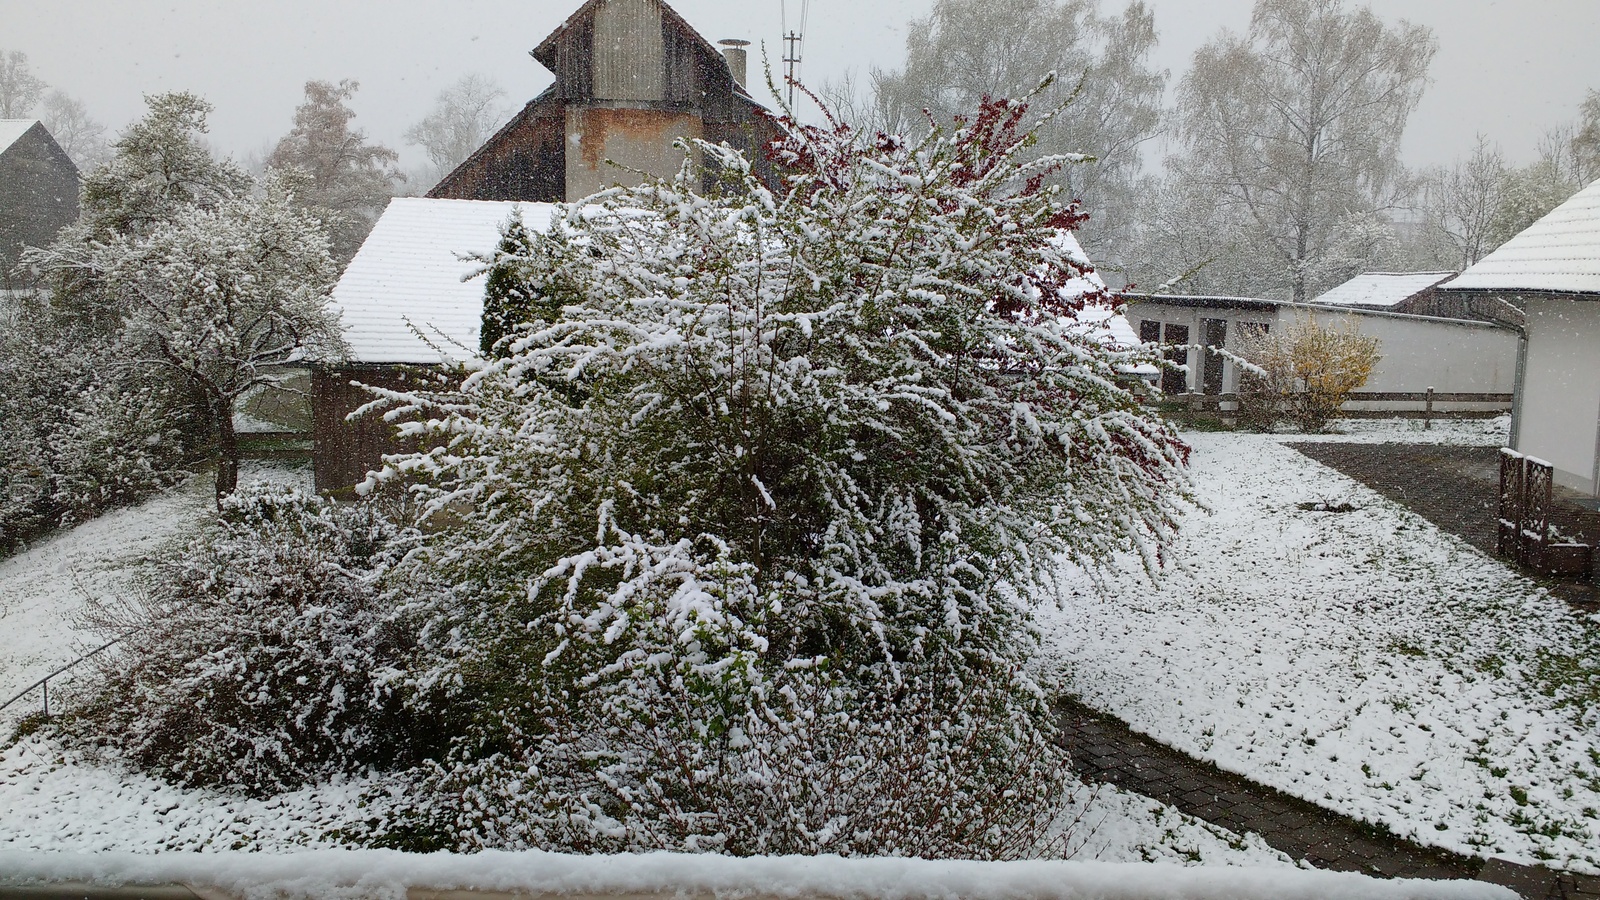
38	191
1551	271
632	78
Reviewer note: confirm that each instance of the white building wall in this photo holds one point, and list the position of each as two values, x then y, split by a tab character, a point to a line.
1452	357
1559	407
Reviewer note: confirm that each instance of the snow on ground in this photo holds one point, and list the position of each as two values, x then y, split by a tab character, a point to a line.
387	874
58	800
1362	660
41	589
1490	432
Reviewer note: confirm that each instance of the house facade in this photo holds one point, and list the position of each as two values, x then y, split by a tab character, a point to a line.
1551	271
632	79
1469	364
38	192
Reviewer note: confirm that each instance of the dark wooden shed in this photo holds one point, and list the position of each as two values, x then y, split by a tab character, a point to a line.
38	192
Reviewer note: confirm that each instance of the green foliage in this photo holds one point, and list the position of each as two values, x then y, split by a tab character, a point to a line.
511	298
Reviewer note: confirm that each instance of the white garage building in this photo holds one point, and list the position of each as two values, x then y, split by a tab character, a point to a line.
1552	271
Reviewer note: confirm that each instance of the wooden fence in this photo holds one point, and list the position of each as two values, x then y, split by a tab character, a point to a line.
1527	487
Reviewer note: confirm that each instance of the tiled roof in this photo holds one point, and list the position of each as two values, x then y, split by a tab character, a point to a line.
1380	289
12	129
1558	253
410	270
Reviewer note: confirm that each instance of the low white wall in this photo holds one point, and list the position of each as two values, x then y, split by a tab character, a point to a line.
1450	356
533	875
1560	403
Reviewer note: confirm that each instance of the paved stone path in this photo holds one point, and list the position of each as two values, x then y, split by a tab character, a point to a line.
1456	488
1105	750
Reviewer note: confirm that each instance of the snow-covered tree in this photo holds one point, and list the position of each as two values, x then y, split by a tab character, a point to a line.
347	178
180	272
1296	126
966	50
20	89
86	428
464	116
745	539
224	299
160	168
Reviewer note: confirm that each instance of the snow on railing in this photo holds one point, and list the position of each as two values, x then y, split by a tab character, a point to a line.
535	875
43	684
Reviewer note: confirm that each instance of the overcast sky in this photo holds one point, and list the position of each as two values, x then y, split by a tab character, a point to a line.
1507	68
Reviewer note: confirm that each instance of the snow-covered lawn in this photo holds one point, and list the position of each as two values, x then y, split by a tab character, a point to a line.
61	800
56	799
42	589
1363	660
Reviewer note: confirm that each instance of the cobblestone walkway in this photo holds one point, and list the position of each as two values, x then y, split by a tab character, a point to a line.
1106	751
1456	489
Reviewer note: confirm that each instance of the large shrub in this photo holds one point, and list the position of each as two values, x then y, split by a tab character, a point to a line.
747	515
1302	373
264	655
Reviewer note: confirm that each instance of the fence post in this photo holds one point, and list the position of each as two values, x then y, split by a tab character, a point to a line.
1427	410
44	687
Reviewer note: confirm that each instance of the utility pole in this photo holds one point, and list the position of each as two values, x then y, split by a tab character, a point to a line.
791	62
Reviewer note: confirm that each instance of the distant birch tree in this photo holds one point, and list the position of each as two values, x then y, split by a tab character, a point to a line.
1296	127
20	89
464	116
83	139
966	50
1459	205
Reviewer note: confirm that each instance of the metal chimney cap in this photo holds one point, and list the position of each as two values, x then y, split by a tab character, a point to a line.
733	42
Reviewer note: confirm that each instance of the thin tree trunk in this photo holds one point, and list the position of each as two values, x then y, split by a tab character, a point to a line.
227	450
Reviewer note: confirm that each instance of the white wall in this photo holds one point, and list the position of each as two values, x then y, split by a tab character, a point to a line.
1191	317
1560	402
1418	353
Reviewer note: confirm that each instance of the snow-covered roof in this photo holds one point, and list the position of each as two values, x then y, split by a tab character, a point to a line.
13	129
1559	253
1380	289
410	270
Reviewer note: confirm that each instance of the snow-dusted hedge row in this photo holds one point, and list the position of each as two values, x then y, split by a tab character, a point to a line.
373	874
264	655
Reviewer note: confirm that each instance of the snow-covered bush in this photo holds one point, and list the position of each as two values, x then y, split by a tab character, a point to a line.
747	515
1302	373
263	655
81	434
